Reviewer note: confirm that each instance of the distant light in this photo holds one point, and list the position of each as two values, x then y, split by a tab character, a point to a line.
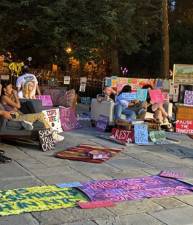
68	50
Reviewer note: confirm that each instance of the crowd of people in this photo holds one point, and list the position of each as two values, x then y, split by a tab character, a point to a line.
135	109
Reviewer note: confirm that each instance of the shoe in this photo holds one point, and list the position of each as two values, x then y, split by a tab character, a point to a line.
27	125
57	137
5	159
2	152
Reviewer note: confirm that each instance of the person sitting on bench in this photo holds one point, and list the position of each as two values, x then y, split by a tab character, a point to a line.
11	103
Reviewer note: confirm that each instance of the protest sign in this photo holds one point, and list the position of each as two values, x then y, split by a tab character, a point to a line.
46	100
83	81
53	117
128	96
68	119
122	135
102	122
184	126
108	82
23	200
183	74
66	79
85	100
156	96
141	134
188	97
157	136
141	94
46	140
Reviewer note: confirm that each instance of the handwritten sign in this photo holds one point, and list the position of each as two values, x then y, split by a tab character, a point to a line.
46	140
188	97
184	126
68	118
46	100
156	96
102	122
66	79
141	133
85	100
157	136
40	198
122	135
142	94
128	96
53	117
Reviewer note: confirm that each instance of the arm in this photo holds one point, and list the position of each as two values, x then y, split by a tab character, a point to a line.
15	104
38	90
6	115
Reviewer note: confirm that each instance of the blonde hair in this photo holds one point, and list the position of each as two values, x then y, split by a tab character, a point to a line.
26	92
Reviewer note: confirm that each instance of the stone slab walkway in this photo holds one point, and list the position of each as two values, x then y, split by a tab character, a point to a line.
32	167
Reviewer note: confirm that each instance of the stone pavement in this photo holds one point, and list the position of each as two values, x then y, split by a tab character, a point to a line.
31	167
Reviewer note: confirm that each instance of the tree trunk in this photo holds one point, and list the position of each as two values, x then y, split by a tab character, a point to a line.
165	39
115	62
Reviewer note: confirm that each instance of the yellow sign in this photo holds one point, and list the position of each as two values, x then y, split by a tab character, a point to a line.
38	199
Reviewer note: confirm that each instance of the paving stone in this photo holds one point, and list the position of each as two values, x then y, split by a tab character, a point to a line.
134	207
31	163
24	219
20	182
187	199
130	173
169	203
138	219
12	170
126	163
70	215
81	223
177	216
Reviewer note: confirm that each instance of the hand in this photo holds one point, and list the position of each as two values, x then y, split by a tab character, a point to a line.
135	101
15	93
6	115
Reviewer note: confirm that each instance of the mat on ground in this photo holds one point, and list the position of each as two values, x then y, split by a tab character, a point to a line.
35	199
135	188
88	153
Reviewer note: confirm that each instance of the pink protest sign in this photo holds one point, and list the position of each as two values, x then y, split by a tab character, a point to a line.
184	126
68	119
46	100
156	96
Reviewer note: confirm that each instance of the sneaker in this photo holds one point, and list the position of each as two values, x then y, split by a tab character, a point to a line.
57	137
27	125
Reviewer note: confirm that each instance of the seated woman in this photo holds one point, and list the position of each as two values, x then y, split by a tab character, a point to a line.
11	103
158	110
131	109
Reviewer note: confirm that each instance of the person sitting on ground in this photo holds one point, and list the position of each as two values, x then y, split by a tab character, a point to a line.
110	93
131	109
160	115
27	85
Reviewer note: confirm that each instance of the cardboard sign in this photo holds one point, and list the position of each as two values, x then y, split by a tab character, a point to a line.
40	198
96	204
183	74
68	119
102	122
53	117
157	136
123	135
141	134
66	79
188	97
85	100
156	96
129	96
46	100
142	94
184	126
46	140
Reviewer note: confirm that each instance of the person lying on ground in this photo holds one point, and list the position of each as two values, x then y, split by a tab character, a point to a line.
131	109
